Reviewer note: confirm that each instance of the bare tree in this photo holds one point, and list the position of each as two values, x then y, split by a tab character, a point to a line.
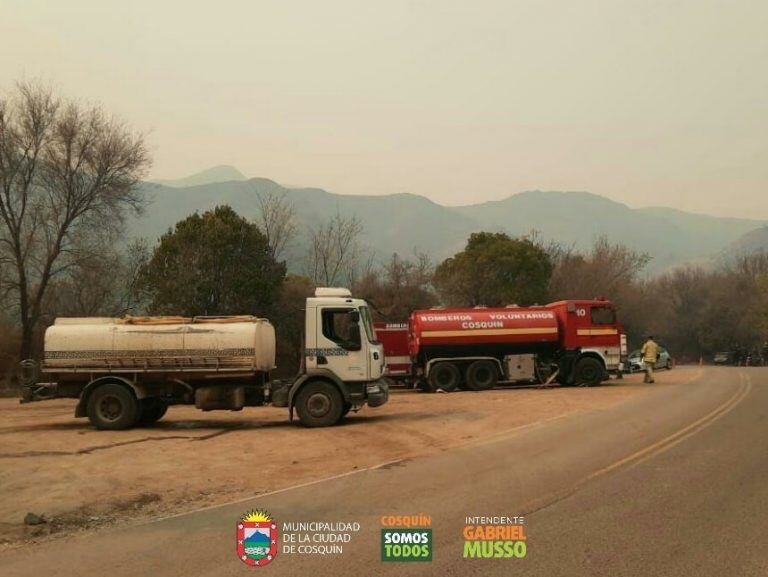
65	170
131	297
398	286
749	265
334	252
106	284
86	290
5	280
277	220
604	271
761	308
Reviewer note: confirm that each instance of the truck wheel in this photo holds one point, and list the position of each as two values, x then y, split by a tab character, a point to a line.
589	372
112	407
481	376
319	404
424	386
152	410
445	376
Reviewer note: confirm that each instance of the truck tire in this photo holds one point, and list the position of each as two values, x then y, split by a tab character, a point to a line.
481	376
424	386
319	404
152	410
588	372
445	376
112	407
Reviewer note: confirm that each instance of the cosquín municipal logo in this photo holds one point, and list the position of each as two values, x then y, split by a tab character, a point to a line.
256	538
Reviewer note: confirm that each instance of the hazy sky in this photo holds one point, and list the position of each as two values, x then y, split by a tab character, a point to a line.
646	102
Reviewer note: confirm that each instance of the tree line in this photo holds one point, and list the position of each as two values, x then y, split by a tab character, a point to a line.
68	180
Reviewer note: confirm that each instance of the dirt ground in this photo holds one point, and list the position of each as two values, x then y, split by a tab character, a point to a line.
77	478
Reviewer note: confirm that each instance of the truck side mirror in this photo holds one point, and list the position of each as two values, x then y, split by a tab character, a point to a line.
352	346
352	340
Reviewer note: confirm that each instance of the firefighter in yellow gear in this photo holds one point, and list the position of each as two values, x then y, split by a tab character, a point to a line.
650	353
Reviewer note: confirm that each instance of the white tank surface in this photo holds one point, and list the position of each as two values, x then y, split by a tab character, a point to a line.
197	344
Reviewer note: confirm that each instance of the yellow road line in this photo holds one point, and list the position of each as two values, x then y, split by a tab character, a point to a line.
678	437
652	450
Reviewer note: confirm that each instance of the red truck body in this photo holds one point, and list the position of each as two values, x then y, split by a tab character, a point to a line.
571	342
480	327
394	337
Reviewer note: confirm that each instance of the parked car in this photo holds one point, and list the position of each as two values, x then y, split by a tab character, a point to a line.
635	361
725	358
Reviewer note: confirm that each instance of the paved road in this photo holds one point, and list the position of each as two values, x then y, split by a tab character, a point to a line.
670	483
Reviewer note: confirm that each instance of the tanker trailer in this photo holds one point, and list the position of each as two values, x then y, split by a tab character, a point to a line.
568	342
128	371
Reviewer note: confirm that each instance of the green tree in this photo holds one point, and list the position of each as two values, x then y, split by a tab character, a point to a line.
217	263
495	270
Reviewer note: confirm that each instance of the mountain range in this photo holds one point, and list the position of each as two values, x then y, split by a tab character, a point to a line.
405	223
221	173
753	241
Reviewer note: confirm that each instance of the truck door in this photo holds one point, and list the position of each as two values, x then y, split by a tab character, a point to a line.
600	333
341	347
375	348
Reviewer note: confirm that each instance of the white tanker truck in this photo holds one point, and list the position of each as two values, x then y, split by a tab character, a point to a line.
128	371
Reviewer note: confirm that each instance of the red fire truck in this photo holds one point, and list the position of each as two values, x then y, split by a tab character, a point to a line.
574	342
397	359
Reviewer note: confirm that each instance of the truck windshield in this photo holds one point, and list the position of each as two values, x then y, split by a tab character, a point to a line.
365	317
603	316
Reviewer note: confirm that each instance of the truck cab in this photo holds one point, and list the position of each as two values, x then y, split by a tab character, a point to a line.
343	361
590	329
